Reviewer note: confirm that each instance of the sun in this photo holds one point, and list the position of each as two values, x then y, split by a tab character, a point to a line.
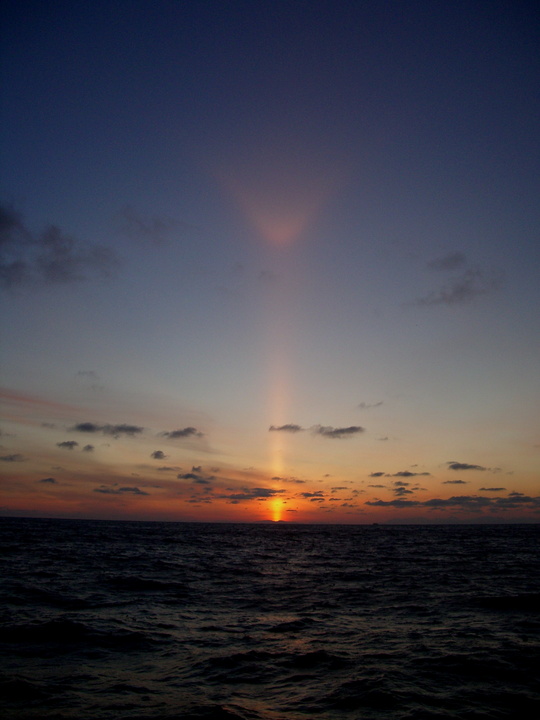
276	509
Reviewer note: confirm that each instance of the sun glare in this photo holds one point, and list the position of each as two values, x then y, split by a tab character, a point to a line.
276	509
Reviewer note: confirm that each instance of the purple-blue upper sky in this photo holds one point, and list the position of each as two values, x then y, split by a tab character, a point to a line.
320	217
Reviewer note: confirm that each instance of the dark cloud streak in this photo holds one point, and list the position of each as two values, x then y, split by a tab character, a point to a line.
183	433
286	428
112	430
337	433
453	465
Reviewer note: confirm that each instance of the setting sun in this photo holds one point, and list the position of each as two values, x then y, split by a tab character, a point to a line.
276	506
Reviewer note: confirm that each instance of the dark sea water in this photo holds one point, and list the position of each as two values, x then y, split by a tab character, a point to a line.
283	622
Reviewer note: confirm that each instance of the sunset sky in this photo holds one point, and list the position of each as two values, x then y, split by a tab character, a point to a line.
271	261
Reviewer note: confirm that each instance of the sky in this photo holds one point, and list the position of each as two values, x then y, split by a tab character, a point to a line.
271	261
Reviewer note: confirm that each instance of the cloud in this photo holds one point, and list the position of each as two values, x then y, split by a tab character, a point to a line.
339	433
408	473
453	465
88	448
289	480
67	444
325	431
376	474
493	489
453	261
106	490
86	427
156	230
50	257
251	494
196	476
393	503
183	433
368	406
158	455
455	482
50	481
113	430
517	500
92	377
317	493
286	428
463	290
472	503
15	457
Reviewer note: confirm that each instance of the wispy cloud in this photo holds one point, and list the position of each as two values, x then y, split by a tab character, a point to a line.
196	477
369	406
67	444
14	457
150	228
48	480
290	428
107	490
462	290
50	257
183	433
324	430
472	503
248	494
452	261
400	490
453	465
296	481
13	397
408	473
337	433
112	430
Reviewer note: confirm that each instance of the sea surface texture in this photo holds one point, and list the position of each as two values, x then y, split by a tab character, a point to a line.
118	620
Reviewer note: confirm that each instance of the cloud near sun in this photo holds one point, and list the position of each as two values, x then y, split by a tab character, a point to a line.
324	430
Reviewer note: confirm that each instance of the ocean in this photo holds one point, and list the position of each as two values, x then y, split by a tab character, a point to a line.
191	621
